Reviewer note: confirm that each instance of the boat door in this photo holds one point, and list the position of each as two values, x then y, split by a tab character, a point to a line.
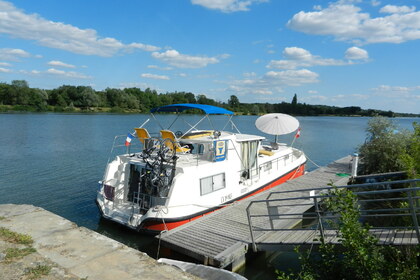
249	155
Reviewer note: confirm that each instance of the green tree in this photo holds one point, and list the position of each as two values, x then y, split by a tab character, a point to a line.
294	100
384	146
234	101
411	157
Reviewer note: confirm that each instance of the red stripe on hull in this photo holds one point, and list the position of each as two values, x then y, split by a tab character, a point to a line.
157	226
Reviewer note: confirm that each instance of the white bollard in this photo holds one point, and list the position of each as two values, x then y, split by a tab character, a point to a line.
354	164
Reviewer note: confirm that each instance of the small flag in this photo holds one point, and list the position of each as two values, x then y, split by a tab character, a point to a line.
297	133
128	139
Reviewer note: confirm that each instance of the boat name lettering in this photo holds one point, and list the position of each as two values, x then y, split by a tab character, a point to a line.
226	198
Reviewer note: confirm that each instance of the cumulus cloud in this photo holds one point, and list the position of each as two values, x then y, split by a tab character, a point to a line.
58	63
391	9
298	57
153	76
159	68
5	70
17	23
347	22
65	74
5	64
355	53
227	6
12	54
292	77
176	59
397	91
273	81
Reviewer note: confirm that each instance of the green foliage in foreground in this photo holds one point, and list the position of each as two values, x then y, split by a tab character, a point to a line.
411	157
358	257
18	238
16	253
388	149
38	271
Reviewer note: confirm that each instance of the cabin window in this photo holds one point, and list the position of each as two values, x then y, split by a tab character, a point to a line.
212	183
268	166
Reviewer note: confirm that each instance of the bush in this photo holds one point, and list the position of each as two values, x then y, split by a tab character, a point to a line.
382	151
358	257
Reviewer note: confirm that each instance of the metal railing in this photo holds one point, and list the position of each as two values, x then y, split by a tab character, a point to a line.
382	205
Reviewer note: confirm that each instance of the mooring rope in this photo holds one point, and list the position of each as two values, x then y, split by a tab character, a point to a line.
160	211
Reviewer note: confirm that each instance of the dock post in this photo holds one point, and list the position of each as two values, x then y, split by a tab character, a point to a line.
354	165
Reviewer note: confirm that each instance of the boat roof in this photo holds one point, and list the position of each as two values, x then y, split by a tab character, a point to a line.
208	109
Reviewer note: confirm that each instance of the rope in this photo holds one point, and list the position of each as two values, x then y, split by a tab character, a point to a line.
160	211
312	161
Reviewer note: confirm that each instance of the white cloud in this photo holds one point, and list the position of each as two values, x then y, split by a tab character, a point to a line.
12	54
298	57
314	98
153	76
5	70
355	53
65	74
58	63
292	77
273	82
159	68
5	64
143	47
59	35
375	3
347	22
176	59
397	91
227	6
391	9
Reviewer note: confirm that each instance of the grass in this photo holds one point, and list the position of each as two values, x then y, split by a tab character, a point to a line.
2	218
38	271
15	253
14	237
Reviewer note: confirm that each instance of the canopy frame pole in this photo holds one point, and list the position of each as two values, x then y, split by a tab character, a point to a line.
156	120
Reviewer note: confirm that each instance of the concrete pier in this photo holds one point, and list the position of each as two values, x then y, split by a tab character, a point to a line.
82	252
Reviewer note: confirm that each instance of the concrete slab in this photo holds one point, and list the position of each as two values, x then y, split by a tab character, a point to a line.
83	252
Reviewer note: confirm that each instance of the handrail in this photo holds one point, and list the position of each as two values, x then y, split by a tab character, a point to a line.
409	194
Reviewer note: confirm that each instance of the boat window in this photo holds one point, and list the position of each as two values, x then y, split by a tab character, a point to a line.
268	166
200	149
212	183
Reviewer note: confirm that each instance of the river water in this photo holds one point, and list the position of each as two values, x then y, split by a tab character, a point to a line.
56	160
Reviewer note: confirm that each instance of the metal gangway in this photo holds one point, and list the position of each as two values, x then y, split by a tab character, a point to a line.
391	210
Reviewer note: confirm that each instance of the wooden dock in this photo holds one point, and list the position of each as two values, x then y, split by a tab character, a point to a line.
222	238
305	238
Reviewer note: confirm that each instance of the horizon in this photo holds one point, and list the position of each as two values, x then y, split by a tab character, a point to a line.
342	53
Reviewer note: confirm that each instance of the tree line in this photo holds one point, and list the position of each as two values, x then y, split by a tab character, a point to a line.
19	96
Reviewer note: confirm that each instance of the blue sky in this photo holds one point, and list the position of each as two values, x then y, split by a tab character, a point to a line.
341	53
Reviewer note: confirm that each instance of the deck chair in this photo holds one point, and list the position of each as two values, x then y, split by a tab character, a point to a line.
169	134
142	134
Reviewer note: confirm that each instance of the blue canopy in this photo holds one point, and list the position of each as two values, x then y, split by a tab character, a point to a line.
208	109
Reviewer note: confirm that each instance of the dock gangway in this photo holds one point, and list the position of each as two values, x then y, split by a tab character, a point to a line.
390	209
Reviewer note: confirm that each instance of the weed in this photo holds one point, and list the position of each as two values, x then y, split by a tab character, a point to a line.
15	253
38	271
14	237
